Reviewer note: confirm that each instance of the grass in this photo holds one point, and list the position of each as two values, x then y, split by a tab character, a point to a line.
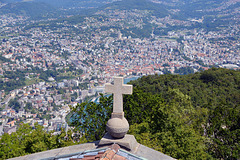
32	81
4	37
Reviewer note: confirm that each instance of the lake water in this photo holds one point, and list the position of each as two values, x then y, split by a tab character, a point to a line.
126	80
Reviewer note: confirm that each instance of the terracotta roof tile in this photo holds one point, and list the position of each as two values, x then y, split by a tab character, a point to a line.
115	147
109	154
118	157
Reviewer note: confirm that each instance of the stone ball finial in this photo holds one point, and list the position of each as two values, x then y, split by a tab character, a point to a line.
117	127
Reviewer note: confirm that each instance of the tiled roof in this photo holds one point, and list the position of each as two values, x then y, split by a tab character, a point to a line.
114	152
95	150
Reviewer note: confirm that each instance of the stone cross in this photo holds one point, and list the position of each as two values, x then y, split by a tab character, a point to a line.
118	89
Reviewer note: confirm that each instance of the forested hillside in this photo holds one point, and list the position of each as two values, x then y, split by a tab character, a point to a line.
194	116
31	9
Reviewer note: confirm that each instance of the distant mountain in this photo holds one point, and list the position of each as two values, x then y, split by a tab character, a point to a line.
75	3
185	8
197	8
158	9
32	9
201	3
50	8
10	1
178	9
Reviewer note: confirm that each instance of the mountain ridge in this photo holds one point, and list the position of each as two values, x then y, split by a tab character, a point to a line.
160	8
31	9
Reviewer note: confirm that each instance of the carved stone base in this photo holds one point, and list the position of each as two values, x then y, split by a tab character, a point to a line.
128	142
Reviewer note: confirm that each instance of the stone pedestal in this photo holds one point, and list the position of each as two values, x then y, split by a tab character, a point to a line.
128	142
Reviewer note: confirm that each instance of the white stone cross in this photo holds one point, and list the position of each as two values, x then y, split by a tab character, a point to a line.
118	89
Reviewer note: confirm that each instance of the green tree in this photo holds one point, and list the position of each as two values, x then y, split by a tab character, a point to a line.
28	140
214	100
28	106
168	127
14	104
9	146
184	70
90	118
224	132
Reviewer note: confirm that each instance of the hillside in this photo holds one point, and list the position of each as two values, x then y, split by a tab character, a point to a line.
215	83
42	9
188	116
185	9
31	9
157	9
75	3
181	9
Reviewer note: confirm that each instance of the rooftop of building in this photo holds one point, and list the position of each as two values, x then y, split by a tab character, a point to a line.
94	151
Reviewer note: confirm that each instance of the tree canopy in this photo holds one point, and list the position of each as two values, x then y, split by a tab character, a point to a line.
28	140
193	116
